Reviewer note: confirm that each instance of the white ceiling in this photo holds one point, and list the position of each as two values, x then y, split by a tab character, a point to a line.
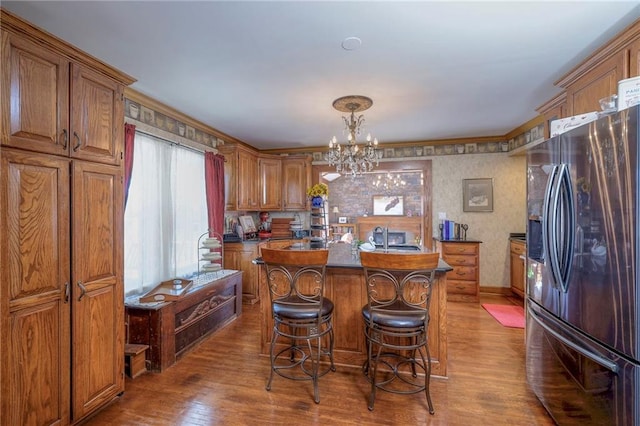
267	72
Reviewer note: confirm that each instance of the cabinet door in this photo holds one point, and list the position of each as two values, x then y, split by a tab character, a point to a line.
35	97
296	178
96	117
517	268
97	290
34	278
230	180
249	273
634	59
601	81
247	181
270	183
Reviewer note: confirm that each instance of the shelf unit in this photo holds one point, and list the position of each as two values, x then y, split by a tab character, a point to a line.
340	229
210	252
319	228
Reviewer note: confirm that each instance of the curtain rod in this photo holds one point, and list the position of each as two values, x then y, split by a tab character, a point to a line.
168	137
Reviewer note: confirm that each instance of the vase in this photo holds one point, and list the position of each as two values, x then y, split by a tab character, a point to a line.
317	202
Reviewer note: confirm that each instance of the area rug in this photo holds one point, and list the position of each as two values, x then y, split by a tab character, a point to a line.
507	315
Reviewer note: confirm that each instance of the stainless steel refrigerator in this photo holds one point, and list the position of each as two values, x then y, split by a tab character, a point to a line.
582	329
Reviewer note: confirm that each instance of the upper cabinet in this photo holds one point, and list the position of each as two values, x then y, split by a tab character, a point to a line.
248	194
597	76
296	178
584	94
79	111
257	182
270	187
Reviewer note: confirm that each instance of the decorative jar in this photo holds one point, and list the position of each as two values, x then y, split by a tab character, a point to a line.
317	202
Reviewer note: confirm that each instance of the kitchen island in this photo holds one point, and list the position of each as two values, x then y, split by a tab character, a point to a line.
345	286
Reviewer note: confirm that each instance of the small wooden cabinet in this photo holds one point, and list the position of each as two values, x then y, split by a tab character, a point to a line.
517	253
463	282
240	256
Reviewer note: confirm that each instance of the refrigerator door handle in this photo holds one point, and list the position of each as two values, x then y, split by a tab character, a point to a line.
604	362
566	232
550	232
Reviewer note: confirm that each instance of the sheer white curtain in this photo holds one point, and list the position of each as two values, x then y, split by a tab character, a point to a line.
166	213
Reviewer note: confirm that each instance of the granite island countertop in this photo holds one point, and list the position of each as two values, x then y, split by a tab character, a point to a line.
341	256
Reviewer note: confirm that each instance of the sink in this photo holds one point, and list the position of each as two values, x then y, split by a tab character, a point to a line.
399	247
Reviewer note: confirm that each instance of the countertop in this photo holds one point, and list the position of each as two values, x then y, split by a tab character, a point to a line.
516	236
453	240
340	256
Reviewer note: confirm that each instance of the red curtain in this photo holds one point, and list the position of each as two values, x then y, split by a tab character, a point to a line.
214	184
129	136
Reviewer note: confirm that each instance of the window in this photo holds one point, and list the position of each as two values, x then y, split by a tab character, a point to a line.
166	213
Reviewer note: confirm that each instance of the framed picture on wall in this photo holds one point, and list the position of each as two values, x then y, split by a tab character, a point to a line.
388	205
477	195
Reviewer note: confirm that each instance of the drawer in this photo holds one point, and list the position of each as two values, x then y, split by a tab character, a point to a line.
519	248
466	273
462	287
457	260
459	248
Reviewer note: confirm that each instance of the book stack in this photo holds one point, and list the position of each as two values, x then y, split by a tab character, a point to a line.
448	230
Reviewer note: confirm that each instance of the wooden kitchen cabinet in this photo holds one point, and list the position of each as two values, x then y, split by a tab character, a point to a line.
230	177
61	256
584	95
248	189
240	256
257	182
463	282
270	185
517	253
296	178
79	111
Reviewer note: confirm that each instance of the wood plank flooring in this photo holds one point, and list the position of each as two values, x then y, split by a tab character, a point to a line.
222	382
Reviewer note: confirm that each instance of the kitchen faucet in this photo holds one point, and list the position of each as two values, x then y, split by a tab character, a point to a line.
385	236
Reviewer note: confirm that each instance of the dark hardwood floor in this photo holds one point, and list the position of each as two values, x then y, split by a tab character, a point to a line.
222	382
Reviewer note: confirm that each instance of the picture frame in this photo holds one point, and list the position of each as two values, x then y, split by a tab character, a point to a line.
342	219
248	226
388	205
477	195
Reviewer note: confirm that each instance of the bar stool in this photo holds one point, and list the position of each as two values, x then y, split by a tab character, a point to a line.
301	314
396	319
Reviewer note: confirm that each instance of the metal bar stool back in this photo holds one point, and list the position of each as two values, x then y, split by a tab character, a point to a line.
396	319
302	316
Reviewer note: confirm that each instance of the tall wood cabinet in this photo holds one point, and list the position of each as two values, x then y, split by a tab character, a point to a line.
296	178
270	183
61	254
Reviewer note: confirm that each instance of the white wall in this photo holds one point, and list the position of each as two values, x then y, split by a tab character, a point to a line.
509	206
